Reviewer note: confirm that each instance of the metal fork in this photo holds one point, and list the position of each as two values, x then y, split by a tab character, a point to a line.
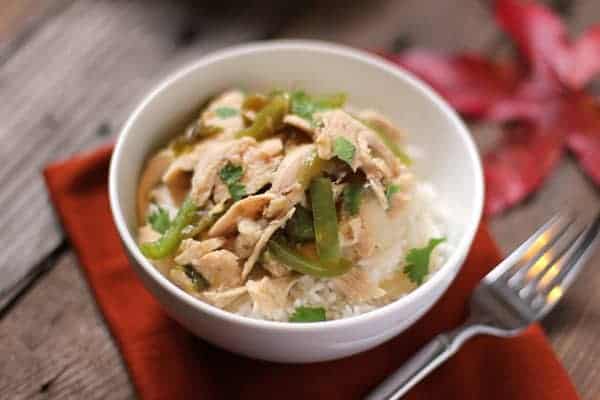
521	290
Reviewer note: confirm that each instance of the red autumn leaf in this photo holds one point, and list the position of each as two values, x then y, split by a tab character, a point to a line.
541	96
519	165
470	83
581	120
537	98
544	41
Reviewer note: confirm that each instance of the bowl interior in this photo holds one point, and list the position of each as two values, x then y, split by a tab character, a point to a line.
450	159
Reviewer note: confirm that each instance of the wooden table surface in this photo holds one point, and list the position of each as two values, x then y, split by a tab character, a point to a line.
71	71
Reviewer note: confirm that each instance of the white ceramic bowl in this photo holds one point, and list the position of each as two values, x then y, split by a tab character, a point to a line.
452	164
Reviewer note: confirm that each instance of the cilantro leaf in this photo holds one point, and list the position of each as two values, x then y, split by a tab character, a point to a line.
417	261
226	112
305	106
302	105
237	191
391	190
344	149
352	198
300	227
308	314
231	175
159	219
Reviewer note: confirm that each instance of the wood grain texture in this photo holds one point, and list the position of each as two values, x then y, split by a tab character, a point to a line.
70	87
71	71
55	345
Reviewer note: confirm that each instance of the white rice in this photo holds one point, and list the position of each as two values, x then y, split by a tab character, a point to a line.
421	219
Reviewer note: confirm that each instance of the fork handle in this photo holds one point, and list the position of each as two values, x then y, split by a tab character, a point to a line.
416	368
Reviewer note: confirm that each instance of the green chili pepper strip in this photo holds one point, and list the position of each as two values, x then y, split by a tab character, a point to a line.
268	120
299	263
313	167
170	240
325	221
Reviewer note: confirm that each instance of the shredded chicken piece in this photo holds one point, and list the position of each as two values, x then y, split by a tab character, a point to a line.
177	176
191	251
220	268
229	125
224	298
382	123
264	238
260	163
275	268
249	233
338	123
300	123
334	124
213	155
249	207
271	147
162	197
286	177
270	296
147	234
151	176
355	239
277	207
356	286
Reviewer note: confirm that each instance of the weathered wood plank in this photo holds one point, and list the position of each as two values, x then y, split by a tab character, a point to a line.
55	345
422	23
71	85
19	20
76	77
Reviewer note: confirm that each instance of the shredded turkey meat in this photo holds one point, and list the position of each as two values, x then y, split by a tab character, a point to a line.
264	206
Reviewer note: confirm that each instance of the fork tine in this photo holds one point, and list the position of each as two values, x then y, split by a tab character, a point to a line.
545	234
548	264
568	266
540	259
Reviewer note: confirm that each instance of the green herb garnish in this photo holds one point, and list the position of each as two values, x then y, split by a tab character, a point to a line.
308	314
226	112
231	175
300	227
305	106
352	197
159	220
391	190
344	149
417	261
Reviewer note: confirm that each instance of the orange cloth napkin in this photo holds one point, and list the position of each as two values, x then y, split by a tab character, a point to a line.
167	362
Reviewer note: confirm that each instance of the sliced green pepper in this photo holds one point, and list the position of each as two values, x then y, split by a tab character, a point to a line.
390	144
325	221
205	221
268	119
255	102
313	166
194	133
299	263
300	227
168	243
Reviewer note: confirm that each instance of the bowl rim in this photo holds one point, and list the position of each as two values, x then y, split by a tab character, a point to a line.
380	63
